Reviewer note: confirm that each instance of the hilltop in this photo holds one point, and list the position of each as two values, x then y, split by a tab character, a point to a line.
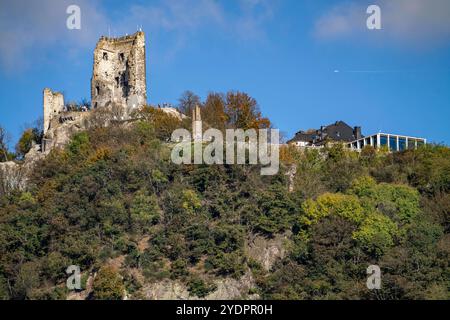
140	227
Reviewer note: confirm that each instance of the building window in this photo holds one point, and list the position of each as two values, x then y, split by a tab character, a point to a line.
402	144
383	140
97	90
121	56
105	56
393	143
411	143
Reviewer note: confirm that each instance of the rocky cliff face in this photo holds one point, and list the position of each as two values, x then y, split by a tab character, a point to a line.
14	176
267	251
227	289
11	177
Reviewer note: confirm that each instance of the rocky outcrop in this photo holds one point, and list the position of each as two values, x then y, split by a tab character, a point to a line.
229	288
267	251
63	127
226	289
166	290
291	172
14	176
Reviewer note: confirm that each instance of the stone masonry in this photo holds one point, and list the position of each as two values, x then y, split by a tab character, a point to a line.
119	73
53	106
118	82
197	133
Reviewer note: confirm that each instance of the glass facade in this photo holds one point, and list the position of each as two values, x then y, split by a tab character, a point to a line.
402	144
395	142
392	143
383	140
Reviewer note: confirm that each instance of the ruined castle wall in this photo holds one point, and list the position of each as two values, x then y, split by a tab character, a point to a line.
118	82
119	72
63	127
53	106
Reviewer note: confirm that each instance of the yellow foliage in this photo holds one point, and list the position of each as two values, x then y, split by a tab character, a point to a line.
101	153
345	206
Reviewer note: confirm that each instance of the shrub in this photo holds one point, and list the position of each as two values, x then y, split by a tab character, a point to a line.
25	143
345	206
376	234
198	287
108	285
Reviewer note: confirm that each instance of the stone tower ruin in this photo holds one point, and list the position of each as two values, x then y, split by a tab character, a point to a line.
197	133
53	106
119	71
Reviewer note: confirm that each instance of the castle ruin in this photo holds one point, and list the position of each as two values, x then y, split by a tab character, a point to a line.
53	106
118	81
119	72
118	84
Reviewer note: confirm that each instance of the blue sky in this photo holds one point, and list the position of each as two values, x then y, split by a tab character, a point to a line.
283	53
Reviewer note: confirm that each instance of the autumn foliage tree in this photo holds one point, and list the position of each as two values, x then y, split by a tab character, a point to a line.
243	112
227	111
214	113
162	123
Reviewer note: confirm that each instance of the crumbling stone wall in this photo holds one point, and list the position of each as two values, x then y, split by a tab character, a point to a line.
14	176
53	106
118	85
119	73
63	127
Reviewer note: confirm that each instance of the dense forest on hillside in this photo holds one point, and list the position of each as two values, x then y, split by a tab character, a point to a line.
113	188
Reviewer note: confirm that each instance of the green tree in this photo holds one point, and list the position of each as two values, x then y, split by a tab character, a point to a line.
198	287
25	143
144	209
276	211
108	285
190	201
376	234
329	204
399	202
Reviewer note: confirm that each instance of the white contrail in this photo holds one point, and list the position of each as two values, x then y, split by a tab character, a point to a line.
390	71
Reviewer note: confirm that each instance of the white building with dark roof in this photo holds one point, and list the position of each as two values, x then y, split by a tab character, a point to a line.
353	138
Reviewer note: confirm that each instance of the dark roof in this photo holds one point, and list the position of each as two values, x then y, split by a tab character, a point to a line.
302	136
338	131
